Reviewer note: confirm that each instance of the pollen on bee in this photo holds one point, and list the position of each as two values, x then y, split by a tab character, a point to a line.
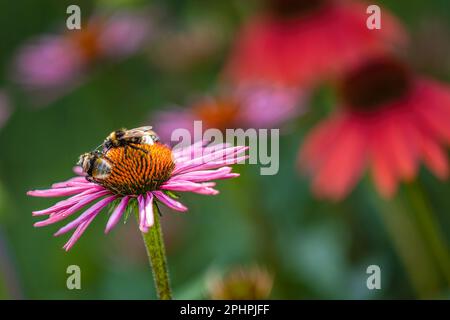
138	168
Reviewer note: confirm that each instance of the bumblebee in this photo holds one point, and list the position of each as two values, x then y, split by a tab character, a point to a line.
95	165
130	138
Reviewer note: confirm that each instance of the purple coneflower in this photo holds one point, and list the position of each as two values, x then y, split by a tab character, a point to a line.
248	105
145	179
144	173
53	64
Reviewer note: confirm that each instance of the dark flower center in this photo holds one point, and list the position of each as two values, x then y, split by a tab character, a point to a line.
375	84
86	40
217	113
294	8
138	168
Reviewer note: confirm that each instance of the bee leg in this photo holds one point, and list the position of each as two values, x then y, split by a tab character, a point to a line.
107	158
137	148
90	179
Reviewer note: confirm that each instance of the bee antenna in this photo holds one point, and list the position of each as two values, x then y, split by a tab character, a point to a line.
98	147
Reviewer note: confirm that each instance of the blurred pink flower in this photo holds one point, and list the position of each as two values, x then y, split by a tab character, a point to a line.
268	106
53	64
255	105
299	42
390	121
189	169
124	33
50	62
170	120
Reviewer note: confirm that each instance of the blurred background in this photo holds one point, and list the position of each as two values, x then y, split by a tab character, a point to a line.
155	56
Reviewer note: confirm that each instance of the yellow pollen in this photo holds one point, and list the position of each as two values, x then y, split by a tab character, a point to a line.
138	168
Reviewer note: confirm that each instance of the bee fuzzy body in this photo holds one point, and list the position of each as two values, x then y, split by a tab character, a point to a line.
130	138
95	165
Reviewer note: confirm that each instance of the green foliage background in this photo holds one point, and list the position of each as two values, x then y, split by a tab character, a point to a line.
315	249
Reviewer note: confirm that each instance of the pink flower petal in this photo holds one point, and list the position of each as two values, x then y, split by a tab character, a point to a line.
78	233
117	214
212	165
436	123
318	142
200	188
341	170
206	175
92	211
63	214
141	205
169	202
63	204
189	150
434	156
73	183
223	156
403	150
60	192
78	171
149	218
383	169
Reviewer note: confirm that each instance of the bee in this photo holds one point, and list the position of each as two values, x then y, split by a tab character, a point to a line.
95	165
130	138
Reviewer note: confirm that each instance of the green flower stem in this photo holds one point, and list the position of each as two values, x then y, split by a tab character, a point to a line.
430	229
410	248
154	243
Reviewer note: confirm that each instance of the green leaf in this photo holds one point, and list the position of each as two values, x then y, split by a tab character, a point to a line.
132	206
172	195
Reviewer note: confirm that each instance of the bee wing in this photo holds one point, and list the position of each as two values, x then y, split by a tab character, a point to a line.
102	168
137	132
144	128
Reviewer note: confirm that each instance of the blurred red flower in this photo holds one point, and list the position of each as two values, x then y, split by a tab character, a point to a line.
390	120
298	42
